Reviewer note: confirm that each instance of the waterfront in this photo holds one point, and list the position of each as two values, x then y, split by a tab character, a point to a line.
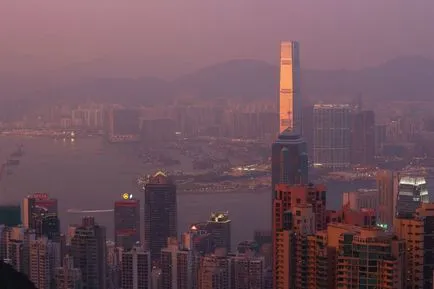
91	174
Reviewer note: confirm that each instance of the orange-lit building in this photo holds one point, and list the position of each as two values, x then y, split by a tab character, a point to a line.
298	211
347	256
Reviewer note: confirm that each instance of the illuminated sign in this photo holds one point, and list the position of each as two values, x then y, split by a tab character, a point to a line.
40	196
127	196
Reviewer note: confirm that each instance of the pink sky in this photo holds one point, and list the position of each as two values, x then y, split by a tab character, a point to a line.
167	37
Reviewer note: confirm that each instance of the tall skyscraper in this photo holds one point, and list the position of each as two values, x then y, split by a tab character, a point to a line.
88	250
387	187
289	160
67	276
332	136
363	138
136	269
36	206
160	213
219	226
290	103
297	212
127	221
412	192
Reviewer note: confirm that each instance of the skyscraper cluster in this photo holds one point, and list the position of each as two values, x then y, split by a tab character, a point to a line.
380	238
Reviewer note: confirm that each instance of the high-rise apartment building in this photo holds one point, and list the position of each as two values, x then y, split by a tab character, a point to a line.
88	250
179	267
370	257
247	272
387	187
290	102
363	138
42	263
214	272
297	210
289	160
417	231
67	276
412	192
347	256
127	221
160	213
332	136
136	269
219	226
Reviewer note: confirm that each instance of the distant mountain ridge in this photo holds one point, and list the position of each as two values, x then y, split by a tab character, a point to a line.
398	79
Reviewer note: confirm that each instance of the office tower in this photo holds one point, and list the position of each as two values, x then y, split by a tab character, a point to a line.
10	215
412	192
160	213
136	269
246	272
332	136
88	250
363	138
46	224
42	263
289	161
308	128
198	240
36	205
383	269
127	221
123	125
179	267
290	205
68	276
219	226
290	101
214	272
387	186
361	199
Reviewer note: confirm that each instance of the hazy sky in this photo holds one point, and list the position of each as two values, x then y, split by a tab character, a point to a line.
164	37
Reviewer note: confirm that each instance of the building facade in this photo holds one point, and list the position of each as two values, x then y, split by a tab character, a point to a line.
127	222
290	102
332	136
160	213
